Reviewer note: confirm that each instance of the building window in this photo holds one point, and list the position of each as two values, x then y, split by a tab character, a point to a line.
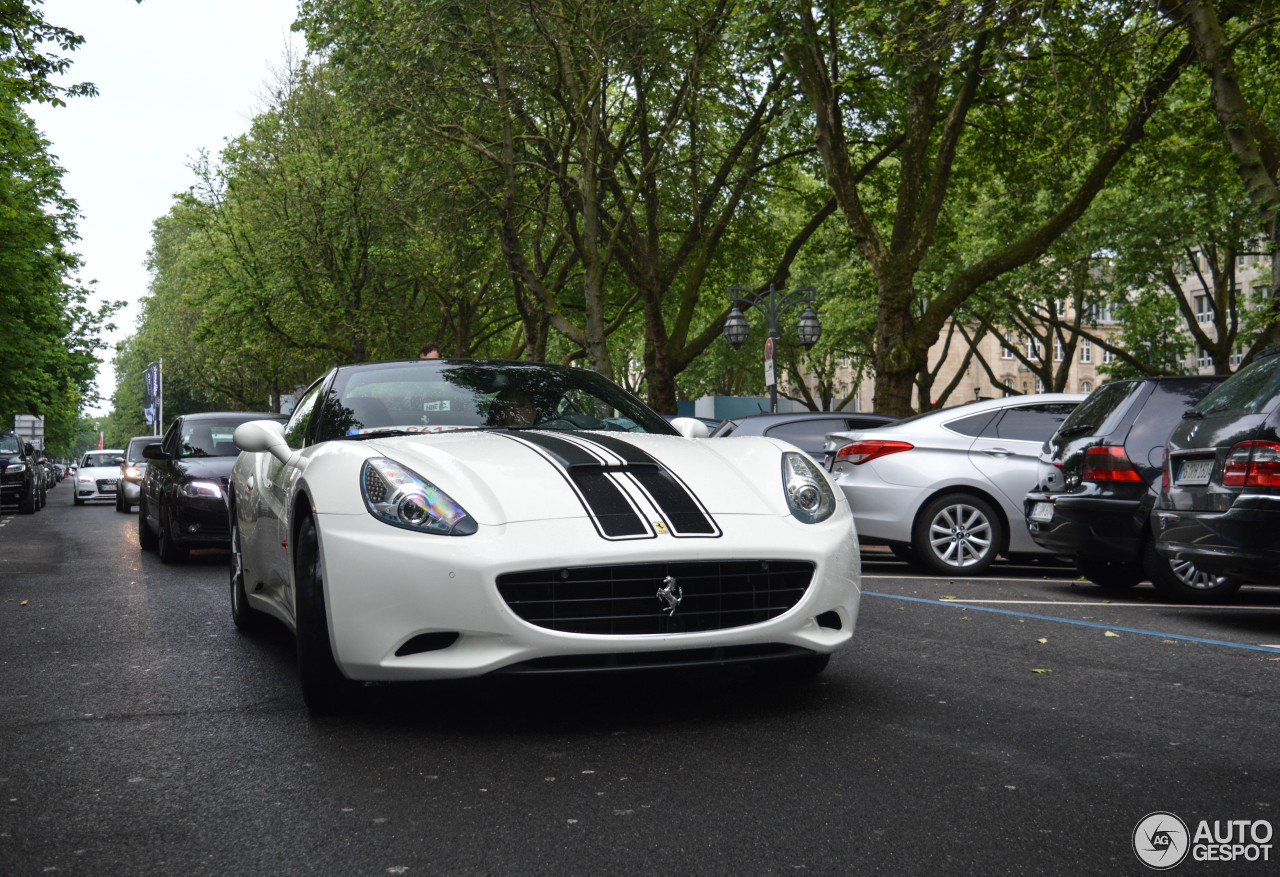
1005	352
1086	387
1039	385
1204	309
1108	356
1086	350
1034	350
1262	292
1237	357
1057	350
1204	359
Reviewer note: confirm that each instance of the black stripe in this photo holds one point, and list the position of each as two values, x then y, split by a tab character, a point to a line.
674	498
608	506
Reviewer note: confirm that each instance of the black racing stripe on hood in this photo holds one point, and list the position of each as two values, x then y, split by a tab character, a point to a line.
610	510
684	514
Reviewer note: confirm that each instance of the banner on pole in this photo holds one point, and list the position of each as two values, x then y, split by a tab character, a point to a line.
151	392
768	363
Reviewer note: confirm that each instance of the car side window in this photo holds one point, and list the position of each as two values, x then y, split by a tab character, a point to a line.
299	425
971	425
1030	423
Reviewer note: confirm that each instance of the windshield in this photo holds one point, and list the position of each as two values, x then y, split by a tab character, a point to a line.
426	397
100	458
134	451
209	438
8	444
1251	390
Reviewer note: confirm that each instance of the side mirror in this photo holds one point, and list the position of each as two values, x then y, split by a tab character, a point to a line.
691	427
154	452
117	460
256	436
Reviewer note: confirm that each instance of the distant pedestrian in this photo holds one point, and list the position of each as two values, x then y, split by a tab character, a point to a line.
429	351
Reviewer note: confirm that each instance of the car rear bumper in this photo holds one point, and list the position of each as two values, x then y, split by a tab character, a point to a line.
1242	541
1088	525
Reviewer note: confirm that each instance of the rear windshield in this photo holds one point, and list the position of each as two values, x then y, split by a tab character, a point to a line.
1252	390
1094	415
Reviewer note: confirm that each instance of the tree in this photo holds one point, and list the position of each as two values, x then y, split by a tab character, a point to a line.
962	87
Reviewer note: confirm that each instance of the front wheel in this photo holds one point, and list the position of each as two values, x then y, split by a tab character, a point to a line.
169	550
1182	582
324	688
146	539
959	533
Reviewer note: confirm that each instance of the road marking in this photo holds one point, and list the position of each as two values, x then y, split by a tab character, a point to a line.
1138	605
1177	636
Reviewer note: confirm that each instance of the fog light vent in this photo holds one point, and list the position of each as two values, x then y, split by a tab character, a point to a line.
830	620
427	642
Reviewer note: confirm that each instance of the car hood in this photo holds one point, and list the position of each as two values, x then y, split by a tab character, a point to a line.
506	477
203	468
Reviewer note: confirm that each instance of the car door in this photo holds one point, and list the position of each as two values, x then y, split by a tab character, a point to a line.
1007	451
157	475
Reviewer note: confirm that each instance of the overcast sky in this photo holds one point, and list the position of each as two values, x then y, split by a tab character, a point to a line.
174	77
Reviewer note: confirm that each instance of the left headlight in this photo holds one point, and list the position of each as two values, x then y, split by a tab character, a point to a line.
809	495
403	498
197	489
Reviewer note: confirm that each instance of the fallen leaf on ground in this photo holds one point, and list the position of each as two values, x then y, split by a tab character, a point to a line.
1034	670
1110	633
1042	640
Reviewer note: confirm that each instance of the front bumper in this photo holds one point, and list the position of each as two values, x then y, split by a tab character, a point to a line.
129	490
1243	541
1090	526
97	488
200	522
384	589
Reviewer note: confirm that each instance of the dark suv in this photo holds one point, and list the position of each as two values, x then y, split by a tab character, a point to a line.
23	481
1099	480
1220	500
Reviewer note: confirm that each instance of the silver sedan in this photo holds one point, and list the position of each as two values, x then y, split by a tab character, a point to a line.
945	488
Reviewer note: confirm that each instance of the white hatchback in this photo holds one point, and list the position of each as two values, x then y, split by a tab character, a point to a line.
98	475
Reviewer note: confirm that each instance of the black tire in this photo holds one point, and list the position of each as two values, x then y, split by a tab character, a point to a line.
245	616
120	506
958	533
324	688
169	550
75	498
27	502
1113	575
1181	582
146	539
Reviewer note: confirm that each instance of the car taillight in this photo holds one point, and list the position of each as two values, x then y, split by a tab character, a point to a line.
858	453
1108	463
1165	478
1252	464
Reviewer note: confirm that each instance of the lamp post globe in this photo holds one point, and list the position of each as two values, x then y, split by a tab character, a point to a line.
736	328
809	330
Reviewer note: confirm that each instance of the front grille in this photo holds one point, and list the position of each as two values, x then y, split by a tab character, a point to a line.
625	600
107	485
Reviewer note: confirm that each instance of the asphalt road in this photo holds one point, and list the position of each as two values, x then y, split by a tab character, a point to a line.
1018	723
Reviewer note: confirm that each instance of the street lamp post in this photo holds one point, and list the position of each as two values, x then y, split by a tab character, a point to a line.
773	303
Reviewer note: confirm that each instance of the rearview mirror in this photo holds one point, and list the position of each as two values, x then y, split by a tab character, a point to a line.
154	452
691	427
256	436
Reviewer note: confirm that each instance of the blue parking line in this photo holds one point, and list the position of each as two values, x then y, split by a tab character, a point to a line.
971	608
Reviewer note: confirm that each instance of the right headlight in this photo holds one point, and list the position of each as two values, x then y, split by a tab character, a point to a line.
809	495
401	497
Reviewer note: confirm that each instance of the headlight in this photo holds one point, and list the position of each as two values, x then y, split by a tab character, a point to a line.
402	498
132	473
14	467
809	495
197	489
87	479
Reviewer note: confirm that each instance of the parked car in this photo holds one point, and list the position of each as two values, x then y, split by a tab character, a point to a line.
132	470
1100	479
98	475
807	430
1219	505
22	480
407	525
182	500
945	488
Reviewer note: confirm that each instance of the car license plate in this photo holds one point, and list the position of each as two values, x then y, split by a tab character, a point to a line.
1195	472
1042	511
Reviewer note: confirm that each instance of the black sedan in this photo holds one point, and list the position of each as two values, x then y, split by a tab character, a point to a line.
1220	497
182	503
807	430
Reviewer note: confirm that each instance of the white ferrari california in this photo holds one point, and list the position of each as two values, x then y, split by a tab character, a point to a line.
447	518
